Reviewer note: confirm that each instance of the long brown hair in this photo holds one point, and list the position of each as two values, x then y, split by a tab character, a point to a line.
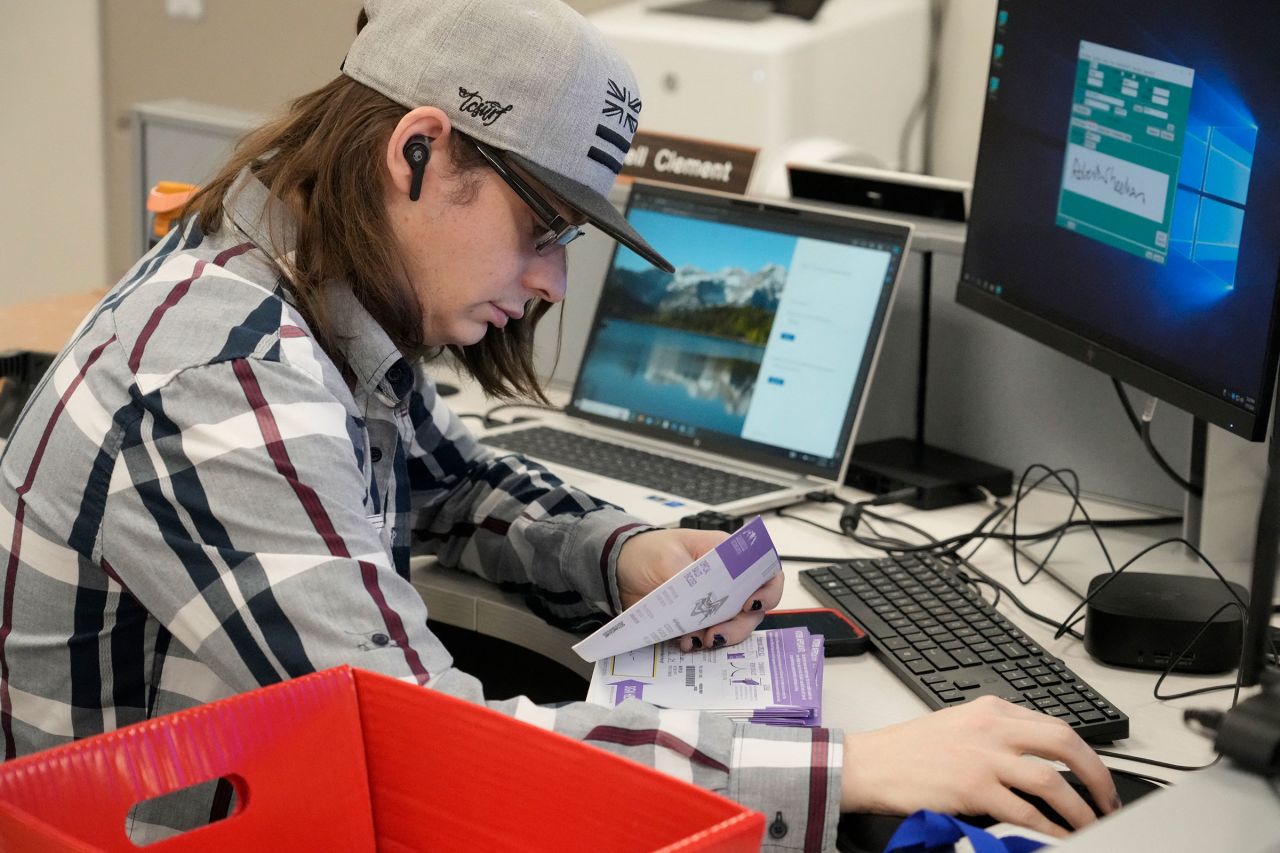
322	160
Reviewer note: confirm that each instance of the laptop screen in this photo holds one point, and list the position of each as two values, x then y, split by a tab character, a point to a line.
760	344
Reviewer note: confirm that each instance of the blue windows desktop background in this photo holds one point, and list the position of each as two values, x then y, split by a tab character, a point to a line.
1202	308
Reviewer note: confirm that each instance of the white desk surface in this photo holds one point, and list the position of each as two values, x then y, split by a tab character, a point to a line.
859	693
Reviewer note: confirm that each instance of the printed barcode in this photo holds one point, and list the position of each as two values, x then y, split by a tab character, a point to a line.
689	675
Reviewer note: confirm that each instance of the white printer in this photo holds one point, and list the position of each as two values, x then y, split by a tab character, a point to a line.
851	75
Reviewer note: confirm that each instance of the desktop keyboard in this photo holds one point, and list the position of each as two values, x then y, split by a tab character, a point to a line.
949	645
661	473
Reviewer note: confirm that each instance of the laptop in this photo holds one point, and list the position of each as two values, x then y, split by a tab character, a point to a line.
735	384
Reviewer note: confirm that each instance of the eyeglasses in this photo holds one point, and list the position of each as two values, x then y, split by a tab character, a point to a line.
560	231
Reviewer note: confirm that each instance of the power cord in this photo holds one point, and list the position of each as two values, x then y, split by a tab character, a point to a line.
1143	428
490	422
1248	733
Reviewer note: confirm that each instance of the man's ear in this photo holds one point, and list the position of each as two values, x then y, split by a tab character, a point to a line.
419	134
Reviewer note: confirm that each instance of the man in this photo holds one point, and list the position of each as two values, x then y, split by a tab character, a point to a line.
219	484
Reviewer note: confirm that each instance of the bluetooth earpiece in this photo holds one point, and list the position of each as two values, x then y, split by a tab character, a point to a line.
417	151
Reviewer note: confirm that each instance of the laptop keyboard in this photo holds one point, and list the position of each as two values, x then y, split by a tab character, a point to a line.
948	645
660	473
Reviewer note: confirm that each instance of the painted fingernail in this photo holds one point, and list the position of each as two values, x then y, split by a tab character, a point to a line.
718	641
1115	803
697	642
756	604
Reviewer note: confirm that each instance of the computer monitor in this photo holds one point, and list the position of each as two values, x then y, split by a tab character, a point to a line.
1126	204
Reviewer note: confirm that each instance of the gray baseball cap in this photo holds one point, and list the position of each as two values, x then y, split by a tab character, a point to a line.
532	78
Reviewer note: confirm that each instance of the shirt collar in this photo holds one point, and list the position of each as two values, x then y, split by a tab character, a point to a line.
376	362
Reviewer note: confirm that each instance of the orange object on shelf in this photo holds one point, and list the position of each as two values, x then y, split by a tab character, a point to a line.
352	760
165	202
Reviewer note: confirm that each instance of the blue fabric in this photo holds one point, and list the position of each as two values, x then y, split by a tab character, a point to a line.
926	831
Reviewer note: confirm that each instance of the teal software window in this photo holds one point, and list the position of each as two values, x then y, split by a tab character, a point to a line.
1129	118
1143	174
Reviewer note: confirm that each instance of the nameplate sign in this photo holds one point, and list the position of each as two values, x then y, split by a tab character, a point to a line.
691	162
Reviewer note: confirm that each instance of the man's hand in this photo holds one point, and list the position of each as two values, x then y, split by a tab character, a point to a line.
647	560
965	760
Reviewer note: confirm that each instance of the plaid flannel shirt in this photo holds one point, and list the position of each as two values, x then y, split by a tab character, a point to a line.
195	503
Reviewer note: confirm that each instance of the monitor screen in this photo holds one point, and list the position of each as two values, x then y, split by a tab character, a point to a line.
761	343
1126	204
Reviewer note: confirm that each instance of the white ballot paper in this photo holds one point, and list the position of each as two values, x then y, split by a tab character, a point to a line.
706	592
773	677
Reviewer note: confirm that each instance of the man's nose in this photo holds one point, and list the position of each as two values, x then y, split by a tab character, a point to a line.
547	277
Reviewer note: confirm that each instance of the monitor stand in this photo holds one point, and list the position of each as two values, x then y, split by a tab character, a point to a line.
1262	581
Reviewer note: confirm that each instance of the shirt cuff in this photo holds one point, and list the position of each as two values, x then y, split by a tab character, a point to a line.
793	776
598	538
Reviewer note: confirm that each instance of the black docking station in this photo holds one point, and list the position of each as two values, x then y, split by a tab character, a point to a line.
941	478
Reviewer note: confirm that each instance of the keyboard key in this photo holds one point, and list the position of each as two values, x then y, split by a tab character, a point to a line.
951	696
940	659
1013	651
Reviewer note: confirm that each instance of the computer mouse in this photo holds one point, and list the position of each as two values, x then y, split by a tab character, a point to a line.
1129	786
870	833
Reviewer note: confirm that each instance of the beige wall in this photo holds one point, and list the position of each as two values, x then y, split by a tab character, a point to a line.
52	208
248	54
964	51
244	54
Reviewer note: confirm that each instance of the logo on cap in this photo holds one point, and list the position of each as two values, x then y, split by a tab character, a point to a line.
487	111
624	110
620	106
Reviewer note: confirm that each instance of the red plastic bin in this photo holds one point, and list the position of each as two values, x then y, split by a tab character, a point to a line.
351	760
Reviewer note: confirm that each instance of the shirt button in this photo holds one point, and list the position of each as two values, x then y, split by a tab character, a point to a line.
383	639
778	828
395	374
376	454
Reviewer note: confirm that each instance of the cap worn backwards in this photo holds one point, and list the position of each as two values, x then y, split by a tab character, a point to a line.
532	78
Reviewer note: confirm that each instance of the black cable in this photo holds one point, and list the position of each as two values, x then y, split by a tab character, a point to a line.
1017	602
1075	504
1188	486
1235	696
954	543
1143	428
490	422
780	512
1156	762
892	541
